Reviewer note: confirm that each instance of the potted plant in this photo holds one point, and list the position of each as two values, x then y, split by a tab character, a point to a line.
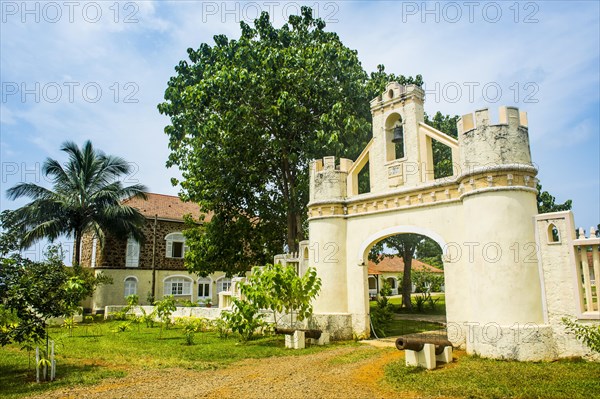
207	302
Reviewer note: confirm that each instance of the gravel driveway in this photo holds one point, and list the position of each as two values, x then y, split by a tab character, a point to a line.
348	372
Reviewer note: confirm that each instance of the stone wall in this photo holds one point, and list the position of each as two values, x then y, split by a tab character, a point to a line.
562	296
112	254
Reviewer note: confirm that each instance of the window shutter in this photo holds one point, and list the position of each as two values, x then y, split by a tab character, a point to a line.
93	261
135	256
169	248
133	253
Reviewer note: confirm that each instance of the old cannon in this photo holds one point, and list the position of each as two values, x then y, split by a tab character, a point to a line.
296	338
417	343
315	334
425	351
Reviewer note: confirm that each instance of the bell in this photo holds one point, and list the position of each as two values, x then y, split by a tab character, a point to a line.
398	135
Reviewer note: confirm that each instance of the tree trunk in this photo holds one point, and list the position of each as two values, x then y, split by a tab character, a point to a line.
406	280
77	257
292	230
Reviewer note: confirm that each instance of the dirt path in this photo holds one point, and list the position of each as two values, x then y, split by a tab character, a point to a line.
349	372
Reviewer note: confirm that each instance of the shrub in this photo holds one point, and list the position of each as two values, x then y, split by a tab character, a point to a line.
164	308
381	315
589	334
220	326
191	326
148	319
244	318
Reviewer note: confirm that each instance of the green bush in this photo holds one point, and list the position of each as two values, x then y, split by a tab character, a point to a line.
589	334
382	314
190	326
164	309
244	318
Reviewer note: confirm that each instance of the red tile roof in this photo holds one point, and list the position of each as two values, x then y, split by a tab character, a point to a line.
165	207
396	265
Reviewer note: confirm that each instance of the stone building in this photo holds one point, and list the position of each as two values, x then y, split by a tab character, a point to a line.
154	267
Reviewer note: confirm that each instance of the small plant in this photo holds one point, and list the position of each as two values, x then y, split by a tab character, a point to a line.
147	318
164	308
381	315
69	324
120	314
419	302
191	326
590	334
221	327
121	327
245	319
132	300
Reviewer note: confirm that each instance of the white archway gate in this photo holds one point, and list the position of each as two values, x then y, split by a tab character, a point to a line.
482	216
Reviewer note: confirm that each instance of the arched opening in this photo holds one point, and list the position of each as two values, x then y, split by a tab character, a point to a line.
373	287
405	278
175	245
553	234
177	286
130	283
394	137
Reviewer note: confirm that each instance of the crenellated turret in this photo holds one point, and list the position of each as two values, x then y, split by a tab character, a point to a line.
328	180
482	144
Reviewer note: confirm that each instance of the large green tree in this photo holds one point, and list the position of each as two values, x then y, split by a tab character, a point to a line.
86	196
546	202
247	116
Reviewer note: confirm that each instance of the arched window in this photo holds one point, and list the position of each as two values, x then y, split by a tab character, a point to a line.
178	285
223	284
132	256
204	288
553	234
372	283
176	247
392	282
130	286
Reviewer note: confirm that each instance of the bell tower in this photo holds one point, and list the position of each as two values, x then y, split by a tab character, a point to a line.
396	150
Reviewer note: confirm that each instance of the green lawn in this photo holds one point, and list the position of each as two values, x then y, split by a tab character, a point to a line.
473	377
440	305
402	327
97	352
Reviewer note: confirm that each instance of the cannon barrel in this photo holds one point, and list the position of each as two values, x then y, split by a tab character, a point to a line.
417	343
316	334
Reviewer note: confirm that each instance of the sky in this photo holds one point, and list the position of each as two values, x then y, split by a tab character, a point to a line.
96	70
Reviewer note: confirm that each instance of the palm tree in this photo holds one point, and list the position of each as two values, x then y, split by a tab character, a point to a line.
86	196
